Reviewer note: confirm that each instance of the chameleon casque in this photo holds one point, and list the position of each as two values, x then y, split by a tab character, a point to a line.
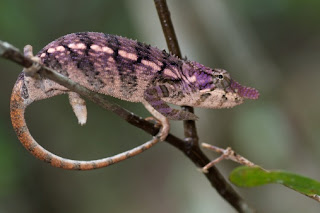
125	69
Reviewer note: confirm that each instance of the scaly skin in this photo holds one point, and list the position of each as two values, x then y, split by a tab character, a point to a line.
128	70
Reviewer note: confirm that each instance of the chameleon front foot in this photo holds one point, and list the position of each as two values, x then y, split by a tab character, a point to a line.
164	130
161	119
164	126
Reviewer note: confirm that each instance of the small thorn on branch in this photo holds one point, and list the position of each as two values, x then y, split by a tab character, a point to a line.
31	71
226	154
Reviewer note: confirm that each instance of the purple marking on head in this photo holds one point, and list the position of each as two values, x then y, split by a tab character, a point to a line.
245	92
204	79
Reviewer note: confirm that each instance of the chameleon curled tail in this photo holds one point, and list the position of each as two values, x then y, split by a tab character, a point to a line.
17	109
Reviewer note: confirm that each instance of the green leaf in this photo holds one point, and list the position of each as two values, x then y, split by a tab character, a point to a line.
256	176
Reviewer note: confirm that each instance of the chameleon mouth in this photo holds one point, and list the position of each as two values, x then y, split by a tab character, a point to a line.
245	92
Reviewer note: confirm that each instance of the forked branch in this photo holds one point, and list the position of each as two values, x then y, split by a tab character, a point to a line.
190	131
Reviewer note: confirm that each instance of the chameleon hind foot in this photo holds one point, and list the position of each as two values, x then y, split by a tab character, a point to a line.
79	107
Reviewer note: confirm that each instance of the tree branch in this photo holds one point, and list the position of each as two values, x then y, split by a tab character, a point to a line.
12	53
190	131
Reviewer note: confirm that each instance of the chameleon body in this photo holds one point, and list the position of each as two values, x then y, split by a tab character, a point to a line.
125	69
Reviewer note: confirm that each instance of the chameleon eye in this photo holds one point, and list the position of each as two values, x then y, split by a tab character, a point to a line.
221	80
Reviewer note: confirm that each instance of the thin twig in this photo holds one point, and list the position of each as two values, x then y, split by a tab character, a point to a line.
226	154
190	131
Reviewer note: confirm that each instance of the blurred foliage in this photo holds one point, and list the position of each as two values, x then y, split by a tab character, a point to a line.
8	163
271	45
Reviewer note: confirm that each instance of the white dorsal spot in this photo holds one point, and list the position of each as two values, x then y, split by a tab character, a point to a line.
77	46
128	55
51	50
107	50
95	47
151	64
60	48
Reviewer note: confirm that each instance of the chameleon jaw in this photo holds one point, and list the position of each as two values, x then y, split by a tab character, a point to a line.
228	97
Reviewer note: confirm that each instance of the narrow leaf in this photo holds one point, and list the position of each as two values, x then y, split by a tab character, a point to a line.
255	176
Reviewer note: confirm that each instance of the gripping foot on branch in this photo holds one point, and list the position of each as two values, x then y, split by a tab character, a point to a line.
161	119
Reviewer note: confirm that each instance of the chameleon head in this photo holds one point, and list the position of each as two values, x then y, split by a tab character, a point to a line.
21	95
20	99
224	92
29	89
35	88
25	91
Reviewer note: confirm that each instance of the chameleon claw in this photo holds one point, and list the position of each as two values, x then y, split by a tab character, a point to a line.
164	131
164	127
153	119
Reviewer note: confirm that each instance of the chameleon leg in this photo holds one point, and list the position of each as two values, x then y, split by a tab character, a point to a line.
165	125
153	97
79	107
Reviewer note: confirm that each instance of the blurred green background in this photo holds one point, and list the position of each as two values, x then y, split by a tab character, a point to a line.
273	46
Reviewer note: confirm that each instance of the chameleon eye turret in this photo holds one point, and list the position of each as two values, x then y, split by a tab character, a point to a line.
221	78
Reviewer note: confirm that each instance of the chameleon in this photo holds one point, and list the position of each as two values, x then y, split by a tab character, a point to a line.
125	69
